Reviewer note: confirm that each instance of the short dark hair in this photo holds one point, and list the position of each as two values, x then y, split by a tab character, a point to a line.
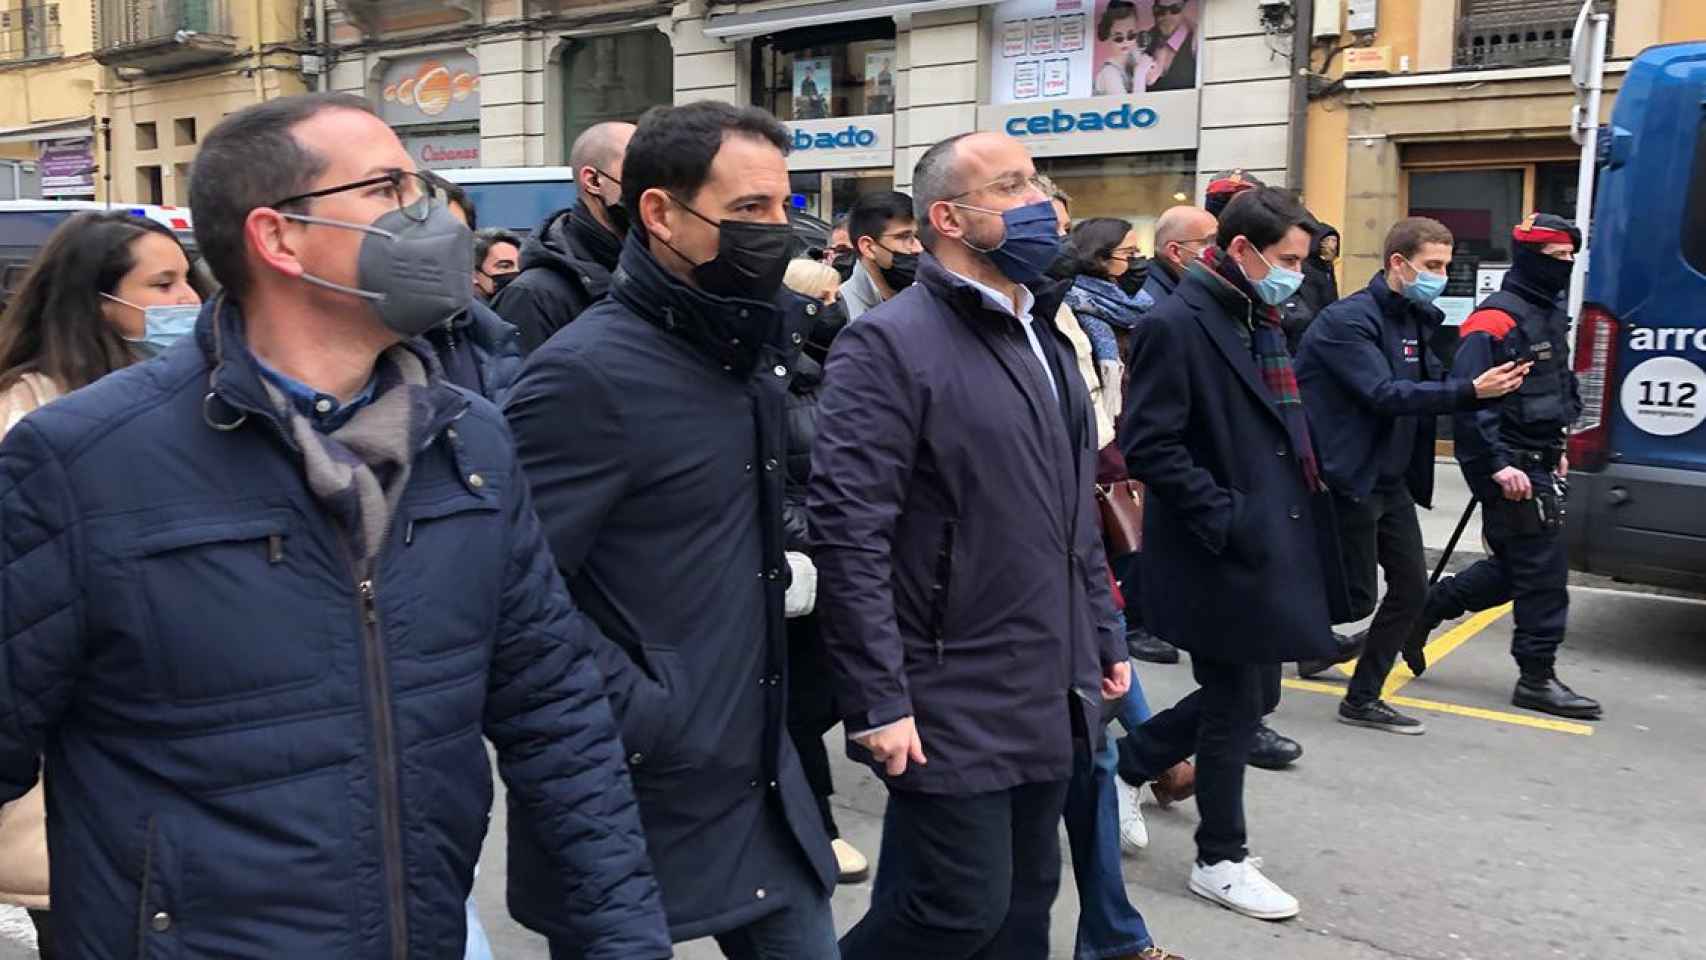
1263	216
453	193
485	240
873	212
673	148
54	325
252	159
1117	10
934	179
1408	235
1091	242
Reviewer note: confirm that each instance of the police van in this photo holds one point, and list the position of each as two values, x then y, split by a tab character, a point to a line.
1637	502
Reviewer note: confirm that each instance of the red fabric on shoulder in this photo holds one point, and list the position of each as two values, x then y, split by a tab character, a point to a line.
1494	323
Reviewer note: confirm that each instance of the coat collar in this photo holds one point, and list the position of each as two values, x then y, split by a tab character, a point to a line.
968	304
1218	308
1395	306
730	332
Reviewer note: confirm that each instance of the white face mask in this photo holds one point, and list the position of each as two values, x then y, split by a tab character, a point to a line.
162	326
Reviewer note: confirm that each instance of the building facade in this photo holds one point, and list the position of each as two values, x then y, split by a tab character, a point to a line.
48	77
1128	112
1459	110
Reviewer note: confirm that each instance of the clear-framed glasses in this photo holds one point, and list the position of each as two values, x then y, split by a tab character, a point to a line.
1012	186
412	193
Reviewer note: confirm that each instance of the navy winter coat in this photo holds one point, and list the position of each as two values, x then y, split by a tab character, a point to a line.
1238	557
655	450
562	273
1364	363
961	578
248	755
479	352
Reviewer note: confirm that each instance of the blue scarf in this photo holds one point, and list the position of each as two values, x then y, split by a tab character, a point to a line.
1104	300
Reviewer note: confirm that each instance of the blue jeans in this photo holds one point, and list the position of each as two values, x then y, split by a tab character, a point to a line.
478	947
1108	925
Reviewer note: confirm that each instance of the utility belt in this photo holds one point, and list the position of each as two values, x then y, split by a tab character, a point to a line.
1542	513
1546	459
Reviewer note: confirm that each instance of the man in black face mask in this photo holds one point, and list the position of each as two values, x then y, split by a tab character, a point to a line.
566	264
1512	454
880	225
651	431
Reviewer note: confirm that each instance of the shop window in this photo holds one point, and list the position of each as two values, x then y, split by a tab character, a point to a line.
614	77
1694	210
181	183
813	75
1479	206
183	131
1135	187
147	136
149	189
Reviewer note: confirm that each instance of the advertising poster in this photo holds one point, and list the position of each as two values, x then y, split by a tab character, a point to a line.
1111	47
813	83
1057	77
67	167
879	82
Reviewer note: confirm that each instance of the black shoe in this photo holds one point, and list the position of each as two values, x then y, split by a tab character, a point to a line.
1415	645
1271	751
1349	648
1150	648
1379	716
1547	695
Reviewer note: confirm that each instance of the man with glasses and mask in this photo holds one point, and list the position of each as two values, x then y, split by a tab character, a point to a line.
652	433
881	226
1181	236
269	594
566	264
1237	539
954	430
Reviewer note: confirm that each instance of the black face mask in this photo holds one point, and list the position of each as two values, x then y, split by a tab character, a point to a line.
618	215
844	264
831	319
904	270
501	280
750	262
1130	283
1549	275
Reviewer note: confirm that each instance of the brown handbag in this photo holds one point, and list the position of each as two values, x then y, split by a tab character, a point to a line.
1121	503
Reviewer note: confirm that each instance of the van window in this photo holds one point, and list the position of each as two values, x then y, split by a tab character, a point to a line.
1694	210
519	206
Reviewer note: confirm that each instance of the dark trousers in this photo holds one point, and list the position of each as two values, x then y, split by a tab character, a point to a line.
1125	571
47	944
1382	529
964	877
1529	565
812	711
1218	723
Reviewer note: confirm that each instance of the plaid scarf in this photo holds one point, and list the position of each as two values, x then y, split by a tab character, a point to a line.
1267	339
360	469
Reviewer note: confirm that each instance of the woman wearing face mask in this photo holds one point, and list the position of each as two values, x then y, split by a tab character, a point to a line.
107	290
812	710
1100	252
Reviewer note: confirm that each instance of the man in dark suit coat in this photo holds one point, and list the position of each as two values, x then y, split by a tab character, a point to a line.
1235	529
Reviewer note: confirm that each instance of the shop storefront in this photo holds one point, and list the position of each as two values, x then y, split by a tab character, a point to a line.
611	76
1105	95
835	89
432	100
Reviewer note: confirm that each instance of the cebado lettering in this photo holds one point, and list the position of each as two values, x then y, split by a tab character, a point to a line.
1125	118
847	139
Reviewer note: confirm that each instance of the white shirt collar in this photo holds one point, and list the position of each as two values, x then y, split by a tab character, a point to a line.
999	301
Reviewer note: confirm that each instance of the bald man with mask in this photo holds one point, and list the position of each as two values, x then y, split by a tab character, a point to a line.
1181	235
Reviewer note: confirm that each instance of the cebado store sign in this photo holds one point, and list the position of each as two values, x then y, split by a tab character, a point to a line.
1099	125
841	143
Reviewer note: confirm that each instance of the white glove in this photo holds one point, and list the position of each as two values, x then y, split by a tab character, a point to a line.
1113	382
801	599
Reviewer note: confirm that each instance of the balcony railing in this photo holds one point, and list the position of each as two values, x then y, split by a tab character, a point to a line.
1516	33
29	32
163	35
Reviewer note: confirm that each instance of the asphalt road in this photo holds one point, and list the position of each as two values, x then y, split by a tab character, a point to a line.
1497	836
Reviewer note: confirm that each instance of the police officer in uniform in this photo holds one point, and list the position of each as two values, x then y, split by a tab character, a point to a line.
1512	454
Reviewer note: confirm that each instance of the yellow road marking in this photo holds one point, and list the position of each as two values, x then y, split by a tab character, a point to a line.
1498	716
1436	650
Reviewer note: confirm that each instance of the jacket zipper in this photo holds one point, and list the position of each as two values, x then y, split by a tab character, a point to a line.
385	736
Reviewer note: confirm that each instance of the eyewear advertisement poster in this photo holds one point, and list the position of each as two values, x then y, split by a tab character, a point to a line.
1103	48
879	82
813	83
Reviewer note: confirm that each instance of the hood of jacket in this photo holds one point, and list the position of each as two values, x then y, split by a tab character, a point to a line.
572	243
1321	232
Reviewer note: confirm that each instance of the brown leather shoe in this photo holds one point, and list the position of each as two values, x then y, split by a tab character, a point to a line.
1178	783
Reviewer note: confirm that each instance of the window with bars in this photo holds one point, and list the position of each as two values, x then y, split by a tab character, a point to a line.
29	31
1517	33
124	22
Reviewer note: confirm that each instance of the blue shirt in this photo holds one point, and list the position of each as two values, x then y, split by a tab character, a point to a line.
322	409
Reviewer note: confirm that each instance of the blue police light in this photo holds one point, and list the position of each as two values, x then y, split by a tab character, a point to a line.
797	201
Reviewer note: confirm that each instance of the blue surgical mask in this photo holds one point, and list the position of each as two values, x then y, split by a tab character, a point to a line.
1279	285
162	326
1426	288
1030	244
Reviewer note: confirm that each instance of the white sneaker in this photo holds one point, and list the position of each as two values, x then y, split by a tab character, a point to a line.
1242	888
1134	833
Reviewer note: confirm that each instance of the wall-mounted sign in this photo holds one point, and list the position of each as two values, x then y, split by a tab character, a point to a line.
67	167
841	143
1368	60
432	88
1098	125
1071	49
443	151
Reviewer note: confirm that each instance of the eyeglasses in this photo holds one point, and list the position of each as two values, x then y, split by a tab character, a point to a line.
908	236
412	193
1125	253
1119	37
1012	186
1205	241
1166	8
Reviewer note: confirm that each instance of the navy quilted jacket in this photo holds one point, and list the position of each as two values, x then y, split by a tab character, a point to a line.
249	754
